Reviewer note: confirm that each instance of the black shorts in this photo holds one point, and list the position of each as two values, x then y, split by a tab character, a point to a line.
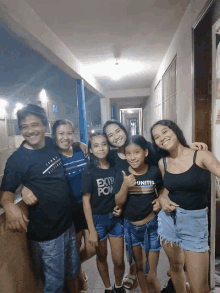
79	221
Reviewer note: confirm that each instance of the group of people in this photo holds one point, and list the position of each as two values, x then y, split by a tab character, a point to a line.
136	194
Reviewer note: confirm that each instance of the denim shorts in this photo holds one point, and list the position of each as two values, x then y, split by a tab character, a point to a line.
56	260
186	228
144	235
108	226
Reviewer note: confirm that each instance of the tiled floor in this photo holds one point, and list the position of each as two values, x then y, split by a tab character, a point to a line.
95	282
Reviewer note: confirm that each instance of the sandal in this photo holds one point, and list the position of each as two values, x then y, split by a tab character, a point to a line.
129	281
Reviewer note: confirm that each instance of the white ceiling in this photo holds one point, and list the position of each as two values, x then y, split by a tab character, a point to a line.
136	32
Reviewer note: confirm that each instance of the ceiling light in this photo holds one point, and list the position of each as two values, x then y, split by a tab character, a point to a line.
3	103
116	70
43	96
117	74
18	106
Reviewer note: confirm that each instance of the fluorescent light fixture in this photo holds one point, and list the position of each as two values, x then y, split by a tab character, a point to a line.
43	96
18	106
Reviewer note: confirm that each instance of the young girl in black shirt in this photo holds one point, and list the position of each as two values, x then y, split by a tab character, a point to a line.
136	188
98	203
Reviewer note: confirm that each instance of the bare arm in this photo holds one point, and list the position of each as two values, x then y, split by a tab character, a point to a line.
209	162
121	196
93	236
16	220
82	146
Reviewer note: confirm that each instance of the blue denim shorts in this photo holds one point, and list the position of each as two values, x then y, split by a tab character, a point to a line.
57	260
186	228
108	225
145	235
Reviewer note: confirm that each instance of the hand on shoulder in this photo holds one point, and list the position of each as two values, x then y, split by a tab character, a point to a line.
199	146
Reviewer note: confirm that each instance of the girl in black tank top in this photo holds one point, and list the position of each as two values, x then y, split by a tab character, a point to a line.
188	189
182	222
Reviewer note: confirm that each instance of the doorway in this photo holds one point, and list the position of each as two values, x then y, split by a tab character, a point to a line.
131	118
205	70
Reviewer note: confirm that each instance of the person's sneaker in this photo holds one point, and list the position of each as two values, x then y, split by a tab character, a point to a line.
169	288
119	290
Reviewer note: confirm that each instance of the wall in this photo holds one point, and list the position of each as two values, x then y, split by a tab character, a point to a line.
181	46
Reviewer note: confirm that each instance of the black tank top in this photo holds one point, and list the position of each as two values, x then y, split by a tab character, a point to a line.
188	189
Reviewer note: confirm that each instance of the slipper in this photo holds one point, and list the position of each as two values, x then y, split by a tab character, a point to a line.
131	280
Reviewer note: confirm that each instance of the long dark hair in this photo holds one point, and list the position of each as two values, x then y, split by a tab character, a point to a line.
145	145
109	122
173	126
93	160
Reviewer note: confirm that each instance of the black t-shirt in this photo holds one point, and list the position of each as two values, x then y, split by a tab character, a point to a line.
120	164
139	201
99	183
152	158
42	172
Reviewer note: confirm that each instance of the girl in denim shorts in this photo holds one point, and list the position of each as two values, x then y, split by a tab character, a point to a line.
99	204
136	190
183	223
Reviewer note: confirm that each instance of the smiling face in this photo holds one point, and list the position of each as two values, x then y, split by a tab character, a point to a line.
116	136
64	137
99	147
164	137
33	131
135	155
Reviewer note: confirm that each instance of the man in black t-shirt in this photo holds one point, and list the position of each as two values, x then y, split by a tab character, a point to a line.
37	165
